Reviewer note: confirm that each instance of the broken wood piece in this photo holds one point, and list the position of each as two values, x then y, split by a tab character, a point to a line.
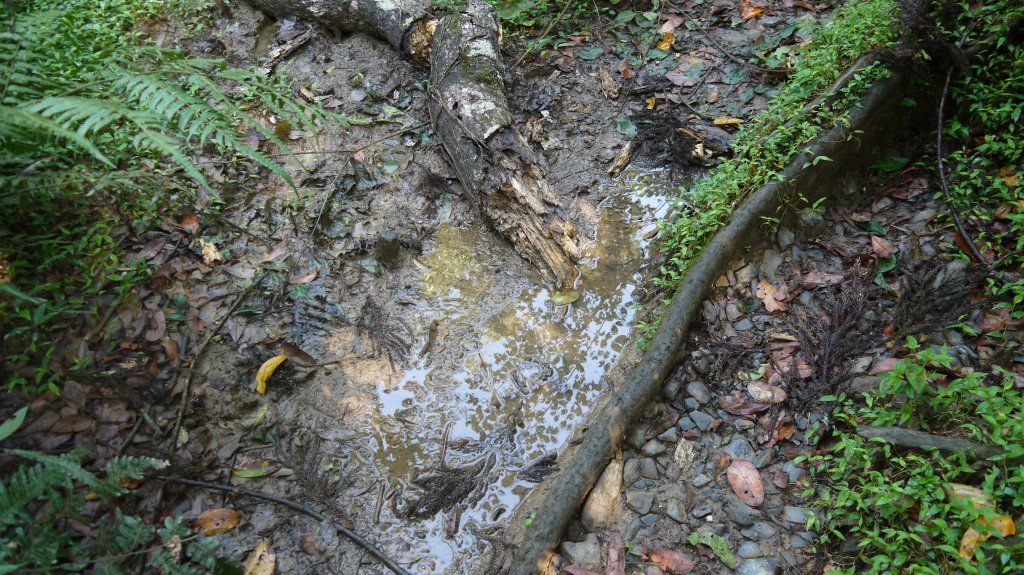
622	159
922	440
275	56
494	163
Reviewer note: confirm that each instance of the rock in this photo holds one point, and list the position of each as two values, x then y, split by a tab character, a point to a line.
867	384
702	420
700	480
685	424
701	365
701	511
691	403
732	312
739	512
739	448
764	530
640	501
676	510
586	552
763	457
631	471
744	325
861	364
648	468
810	223
954	337
671	435
653	448
792	471
653	570
387	248
795	514
762	566
744	276
649	519
770	262
604	498
671	389
749	550
784	237
698	391
685	454
951	277
710	312
742	424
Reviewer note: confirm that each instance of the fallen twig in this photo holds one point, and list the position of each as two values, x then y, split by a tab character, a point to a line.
922	440
369	547
975	254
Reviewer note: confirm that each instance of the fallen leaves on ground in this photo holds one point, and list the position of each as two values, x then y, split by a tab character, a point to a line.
215	521
767	292
817	279
716	543
746	482
738	405
666	41
262	560
765	393
616	555
1003	525
672	561
266	370
881	246
257	468
747	11
581	570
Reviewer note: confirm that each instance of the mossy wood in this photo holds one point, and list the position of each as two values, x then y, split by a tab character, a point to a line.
505	179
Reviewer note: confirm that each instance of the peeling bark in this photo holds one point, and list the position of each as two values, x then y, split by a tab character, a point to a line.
504	178
495	164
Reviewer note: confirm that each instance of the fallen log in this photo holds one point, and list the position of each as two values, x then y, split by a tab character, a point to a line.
923	440
503	177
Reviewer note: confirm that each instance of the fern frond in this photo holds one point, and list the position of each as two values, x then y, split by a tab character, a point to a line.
68	465
21	123
25	485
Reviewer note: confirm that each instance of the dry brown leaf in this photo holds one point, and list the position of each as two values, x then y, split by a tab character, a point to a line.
262	560
818	279
667	41
747	11
766	292
190	223
304	278
279	251
881	246
765	393
297	354
745	481
308	544
736	404
210	253
672	561
72	424
215	521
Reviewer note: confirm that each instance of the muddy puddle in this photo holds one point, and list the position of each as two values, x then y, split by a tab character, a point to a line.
500	370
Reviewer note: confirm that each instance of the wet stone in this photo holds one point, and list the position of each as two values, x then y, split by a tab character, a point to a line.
762	566
649	519
685	424
640	501
700	480
653	448
739	448
744	325
770	262
586	552
648	468
676	511
749	550
671	435
785	237
702	420
698	391
795	514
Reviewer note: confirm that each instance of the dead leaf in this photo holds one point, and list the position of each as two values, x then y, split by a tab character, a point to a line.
190	223
667	41
581	570
256	468
881	246
672	21
966	493
672	561
72	424
804	368
1010	176
261	561
766	292
297	354
882	365
747	11
727	121
817	279
765	393
265	371
746	482
990	322
1003	525
308	544
210	253
304	278
780	478
157	326
616	555
215	521
736	404
279	251
151	249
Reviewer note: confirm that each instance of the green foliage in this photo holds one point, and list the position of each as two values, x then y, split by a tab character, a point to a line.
764	146
895	503
986	167
99	126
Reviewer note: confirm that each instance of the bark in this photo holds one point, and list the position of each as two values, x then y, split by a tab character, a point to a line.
500	172
922	440
495	164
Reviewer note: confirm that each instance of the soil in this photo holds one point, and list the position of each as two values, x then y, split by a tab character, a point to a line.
432	376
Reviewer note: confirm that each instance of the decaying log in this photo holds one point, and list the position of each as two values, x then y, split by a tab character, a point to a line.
494	163
504	178
922	440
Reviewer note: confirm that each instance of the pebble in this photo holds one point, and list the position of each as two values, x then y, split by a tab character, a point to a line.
710	312
701	365
797	541
653	570
604	498
744	276
653	448
671	435
640	501
700	480
764	529
649	519
648	468
744	325
691	403
770	262
784	237
732	312
698	391
795	514
701	511
749	550
676	510
810	223
762	566
739	512
671	389
631	472
586	552
861	364
792	471
685	424
743	424
702	420
739	448
763	457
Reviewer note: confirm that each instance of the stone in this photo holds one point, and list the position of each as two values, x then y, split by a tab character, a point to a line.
784	237
648	468
649	519
676	511
700	480
743	424
732	312
710	312
795	514
585	552
604	498
739	448
954	337
749	550
794	472
640	501
691	403
670	435
701	511
671	389
810	223
697	390
744	276
653	570
764	530
761	566
739	512
702	420
763	457
631	471
770	262
685	423
744	325
861	364
701	365
653	448
685	454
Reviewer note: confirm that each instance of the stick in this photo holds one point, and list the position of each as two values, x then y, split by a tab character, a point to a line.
370	547
942	177
187	392
920	439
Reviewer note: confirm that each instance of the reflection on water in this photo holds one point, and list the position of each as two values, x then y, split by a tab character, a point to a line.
534	369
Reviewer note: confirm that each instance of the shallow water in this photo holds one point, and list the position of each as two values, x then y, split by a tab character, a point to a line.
537	367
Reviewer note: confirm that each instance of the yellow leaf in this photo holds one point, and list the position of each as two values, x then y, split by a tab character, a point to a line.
267	370
261	561
966	493
1003	525
969	542
1009	176
650	103
214	521
727	121
667	41
747	11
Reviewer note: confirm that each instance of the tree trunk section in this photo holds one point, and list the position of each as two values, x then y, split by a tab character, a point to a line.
494	163
500	172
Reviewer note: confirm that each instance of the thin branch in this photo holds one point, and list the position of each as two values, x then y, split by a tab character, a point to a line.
942	177
369	547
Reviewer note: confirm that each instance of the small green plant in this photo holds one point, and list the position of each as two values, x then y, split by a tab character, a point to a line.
897	505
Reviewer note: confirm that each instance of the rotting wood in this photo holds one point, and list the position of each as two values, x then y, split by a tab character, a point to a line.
923	440
505	179
494	162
